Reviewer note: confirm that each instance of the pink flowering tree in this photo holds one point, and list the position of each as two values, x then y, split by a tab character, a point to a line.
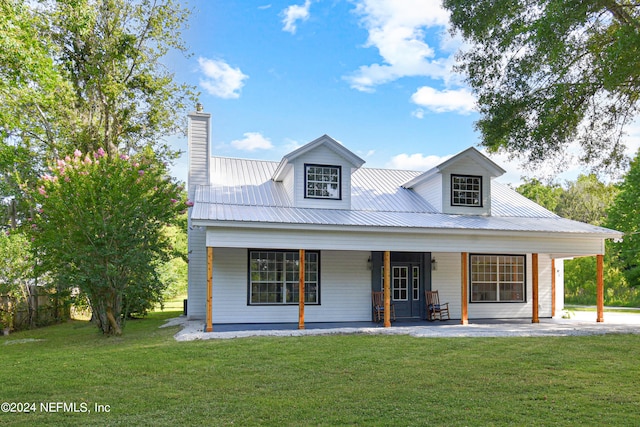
100	229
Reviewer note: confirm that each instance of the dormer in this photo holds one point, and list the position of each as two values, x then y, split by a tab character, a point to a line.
460	185
318	174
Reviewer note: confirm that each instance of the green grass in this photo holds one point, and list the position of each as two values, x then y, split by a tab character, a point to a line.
148	379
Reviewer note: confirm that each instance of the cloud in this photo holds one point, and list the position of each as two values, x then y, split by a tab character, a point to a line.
293	14
416	162
252	141
443	101
220	79
397	30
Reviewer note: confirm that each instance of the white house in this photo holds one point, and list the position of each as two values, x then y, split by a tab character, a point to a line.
490	252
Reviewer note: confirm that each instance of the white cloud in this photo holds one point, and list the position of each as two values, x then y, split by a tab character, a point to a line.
293	14
220	79
252	141
416	162
442	101
397	29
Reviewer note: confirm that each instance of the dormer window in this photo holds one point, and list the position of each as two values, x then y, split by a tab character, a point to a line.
323	182
466	190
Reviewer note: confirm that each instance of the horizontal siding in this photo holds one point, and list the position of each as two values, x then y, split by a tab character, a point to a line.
345	290
447	281
416	242
197	271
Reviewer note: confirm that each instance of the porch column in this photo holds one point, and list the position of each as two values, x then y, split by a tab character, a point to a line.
534	267
301	289
553	287
600	287
209	326
464	281
387	289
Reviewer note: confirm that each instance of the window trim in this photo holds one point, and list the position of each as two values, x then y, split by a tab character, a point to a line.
480	192
524	281
282	304
306	178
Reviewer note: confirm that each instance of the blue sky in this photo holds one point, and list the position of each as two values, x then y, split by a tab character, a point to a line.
375	75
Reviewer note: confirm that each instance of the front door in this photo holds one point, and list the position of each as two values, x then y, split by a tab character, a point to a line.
405	289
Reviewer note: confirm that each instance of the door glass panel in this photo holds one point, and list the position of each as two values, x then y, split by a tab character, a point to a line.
400	283
415	280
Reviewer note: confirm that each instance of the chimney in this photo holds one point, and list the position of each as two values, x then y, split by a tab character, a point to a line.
199	137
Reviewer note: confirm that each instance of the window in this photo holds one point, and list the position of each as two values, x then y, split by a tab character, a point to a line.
466	190
322	182
274	279
498	278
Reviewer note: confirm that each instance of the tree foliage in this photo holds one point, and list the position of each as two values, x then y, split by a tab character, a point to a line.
551	72
586	200
84	74
624	215
547	196
100	228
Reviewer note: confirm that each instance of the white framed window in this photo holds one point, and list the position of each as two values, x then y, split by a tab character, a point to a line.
323	182
466	190
498	278
274	277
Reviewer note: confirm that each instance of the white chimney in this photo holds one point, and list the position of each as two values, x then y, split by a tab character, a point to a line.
199	137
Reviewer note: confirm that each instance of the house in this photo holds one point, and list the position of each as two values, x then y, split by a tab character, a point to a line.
490	252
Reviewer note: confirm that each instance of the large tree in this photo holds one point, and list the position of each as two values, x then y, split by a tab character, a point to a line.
101	228
548	73
624	215
84	74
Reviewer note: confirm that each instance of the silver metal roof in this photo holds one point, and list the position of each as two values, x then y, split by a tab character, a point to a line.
243	191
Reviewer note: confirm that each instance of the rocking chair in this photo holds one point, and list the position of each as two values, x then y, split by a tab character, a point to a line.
378	307
435	310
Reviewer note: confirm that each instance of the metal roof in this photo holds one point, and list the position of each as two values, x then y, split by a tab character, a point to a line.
243	191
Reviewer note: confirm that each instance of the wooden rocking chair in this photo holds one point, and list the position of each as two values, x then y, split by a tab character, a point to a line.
378	307
435	310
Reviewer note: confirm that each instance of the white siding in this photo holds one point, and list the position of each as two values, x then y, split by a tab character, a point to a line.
197	271
431	191
466	166
344	295
447	280
321	156
198	137
393	241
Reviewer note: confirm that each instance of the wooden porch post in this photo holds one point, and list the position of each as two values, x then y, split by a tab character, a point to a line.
209	327
301	257
553	287
387	289
534	267
600	288
464	281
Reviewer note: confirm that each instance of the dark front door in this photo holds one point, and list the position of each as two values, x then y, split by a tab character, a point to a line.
406	289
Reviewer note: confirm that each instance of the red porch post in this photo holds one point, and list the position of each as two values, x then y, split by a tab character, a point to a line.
464	279
209	326
387	289
301	289
534	267
600	288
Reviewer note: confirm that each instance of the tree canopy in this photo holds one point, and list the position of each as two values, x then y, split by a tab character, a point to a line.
549	73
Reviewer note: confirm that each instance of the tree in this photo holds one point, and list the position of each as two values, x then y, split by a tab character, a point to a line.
624	215
586	200
546	196
100	228
16	263
551	72
84	74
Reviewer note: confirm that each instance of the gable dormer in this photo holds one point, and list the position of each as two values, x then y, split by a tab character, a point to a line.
460	185
318	174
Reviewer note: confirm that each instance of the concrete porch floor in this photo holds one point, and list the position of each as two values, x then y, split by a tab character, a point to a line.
582	323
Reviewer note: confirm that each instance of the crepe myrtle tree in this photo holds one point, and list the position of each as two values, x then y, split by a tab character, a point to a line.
100	226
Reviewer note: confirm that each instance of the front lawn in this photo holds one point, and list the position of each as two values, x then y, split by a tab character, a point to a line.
146	378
